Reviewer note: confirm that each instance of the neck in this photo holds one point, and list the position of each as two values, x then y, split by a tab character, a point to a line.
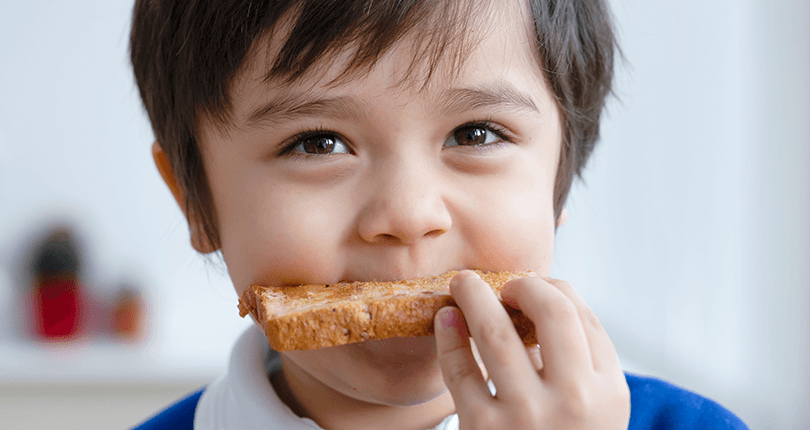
308	397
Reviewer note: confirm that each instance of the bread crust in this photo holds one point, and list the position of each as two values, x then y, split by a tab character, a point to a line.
317	316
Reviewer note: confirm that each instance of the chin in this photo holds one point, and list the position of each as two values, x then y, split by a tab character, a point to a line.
392	372
398	371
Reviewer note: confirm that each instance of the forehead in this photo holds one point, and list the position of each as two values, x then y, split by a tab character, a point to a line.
455	39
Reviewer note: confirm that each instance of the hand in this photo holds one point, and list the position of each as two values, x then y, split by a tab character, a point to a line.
580	384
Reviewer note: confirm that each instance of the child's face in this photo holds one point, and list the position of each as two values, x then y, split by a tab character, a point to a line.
387	182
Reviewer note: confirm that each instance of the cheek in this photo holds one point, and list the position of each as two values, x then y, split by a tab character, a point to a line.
516	235
275	236
512	223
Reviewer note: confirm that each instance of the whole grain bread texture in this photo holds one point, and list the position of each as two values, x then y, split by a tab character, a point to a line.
316	316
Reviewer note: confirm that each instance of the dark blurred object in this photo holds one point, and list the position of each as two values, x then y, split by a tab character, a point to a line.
57	294
128	314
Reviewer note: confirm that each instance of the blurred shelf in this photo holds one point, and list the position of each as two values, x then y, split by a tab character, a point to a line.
78	362
102	405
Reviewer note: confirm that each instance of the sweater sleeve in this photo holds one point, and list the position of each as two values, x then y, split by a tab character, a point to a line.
659	405
179	416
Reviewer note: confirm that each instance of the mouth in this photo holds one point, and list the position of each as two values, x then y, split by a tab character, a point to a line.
399	276
317	316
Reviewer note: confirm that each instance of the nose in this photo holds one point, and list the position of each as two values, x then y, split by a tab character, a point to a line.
405	205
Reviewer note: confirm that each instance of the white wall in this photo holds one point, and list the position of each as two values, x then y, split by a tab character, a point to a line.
690	237
75	146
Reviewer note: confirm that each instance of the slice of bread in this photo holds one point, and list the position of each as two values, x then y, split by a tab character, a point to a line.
316	316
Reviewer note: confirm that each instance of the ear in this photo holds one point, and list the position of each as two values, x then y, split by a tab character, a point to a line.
562	218
198	241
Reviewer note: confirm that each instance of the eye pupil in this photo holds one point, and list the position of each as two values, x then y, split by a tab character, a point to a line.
319	145
471	136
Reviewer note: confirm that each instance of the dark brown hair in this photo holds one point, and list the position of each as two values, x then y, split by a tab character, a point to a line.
186	53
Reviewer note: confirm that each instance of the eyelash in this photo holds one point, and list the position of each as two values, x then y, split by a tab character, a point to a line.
487	124
289	148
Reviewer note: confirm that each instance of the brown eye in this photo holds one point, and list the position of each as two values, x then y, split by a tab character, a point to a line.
322	144
472	135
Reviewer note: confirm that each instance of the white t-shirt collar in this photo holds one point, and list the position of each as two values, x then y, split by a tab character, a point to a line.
244	399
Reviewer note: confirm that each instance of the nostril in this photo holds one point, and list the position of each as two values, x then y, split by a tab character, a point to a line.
385	237
436	232
390	238
386	223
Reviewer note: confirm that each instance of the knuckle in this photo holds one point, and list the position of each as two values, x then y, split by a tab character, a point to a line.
490	332
577	404
528	415
450	349
622	396
525	282
560	309
559	283
617	400
480	418
591	319
460	371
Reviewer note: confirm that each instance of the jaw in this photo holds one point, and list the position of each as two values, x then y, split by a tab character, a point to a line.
408	392
390	372
398	353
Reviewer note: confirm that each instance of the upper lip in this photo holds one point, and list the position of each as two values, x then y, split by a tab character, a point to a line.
399	277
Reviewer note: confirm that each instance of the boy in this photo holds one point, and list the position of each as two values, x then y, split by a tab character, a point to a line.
319	141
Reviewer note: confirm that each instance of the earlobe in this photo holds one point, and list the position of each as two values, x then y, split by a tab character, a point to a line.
195	227
562	218
166	173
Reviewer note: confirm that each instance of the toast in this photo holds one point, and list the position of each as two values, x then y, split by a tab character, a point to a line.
317	316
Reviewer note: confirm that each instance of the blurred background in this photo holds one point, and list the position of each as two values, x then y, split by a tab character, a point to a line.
690	236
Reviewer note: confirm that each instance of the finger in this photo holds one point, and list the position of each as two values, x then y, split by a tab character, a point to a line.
603	353
563	343
534	356
460	370
499	345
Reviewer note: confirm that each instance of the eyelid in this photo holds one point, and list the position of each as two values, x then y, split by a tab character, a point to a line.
499	130
288	146
496	128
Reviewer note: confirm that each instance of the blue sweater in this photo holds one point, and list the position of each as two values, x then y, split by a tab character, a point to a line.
655	405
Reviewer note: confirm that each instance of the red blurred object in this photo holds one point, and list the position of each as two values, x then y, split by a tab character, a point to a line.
57	306
56	290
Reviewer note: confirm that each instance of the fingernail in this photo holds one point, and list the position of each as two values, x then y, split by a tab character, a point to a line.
469	274
448	317
464	274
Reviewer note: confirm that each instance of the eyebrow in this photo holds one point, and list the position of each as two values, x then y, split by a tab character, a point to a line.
500	95
300	106
289	108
